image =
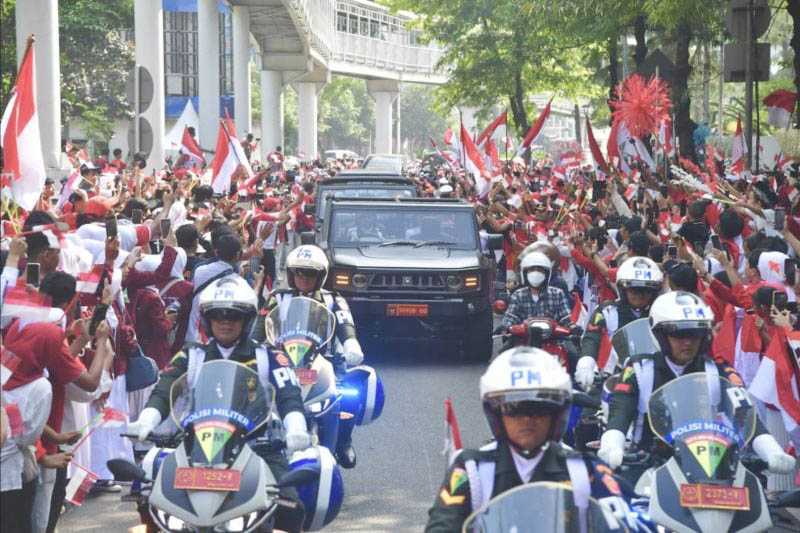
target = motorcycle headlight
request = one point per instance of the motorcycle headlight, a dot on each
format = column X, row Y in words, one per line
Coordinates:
column 167, row 522
column 244, row 523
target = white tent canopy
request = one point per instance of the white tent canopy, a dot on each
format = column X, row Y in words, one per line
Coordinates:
column 188, row 118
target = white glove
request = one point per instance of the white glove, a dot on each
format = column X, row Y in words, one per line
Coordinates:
column 353, row 355
column 769, row 451
column 585, row 371
column 612, row 447
column 148, row 420
column 297, row 437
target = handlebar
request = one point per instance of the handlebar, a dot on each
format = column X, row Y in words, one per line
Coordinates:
column 160, row 441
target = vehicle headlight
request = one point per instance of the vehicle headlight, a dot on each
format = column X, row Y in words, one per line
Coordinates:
column 167, row 522
column 454, row 282
column 472, row 281
column 244, row 523
column 360, row 281
column 341, row 279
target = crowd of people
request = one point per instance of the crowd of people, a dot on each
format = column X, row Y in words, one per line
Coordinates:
column 109, row 266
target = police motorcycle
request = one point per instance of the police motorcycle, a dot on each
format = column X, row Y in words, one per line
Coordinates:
column 212, row 481
column 557, row 509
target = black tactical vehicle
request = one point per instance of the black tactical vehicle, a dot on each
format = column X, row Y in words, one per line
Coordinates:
column 412, row 269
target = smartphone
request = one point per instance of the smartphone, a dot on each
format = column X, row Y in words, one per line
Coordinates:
column 97, row 316
column 155, row 247
column 780, row 300
column 672, row 251
column 137, row 216
column 32, row 274
column 111, row 227
column 716, row 243
column 165, row 227
column 780, row 218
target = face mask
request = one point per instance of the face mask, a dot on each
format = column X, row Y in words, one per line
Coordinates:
column 535, row 278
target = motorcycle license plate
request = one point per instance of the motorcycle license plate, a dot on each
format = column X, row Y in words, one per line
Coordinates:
column 207, row 479
column 715, row 497
column 407, row 310
column 306, row 376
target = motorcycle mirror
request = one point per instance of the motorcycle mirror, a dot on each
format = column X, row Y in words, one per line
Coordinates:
column 499, row 307
column 126, row 471
column 581, row 399
column 295, row 478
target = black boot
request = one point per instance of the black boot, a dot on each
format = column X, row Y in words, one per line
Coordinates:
column 346, row 455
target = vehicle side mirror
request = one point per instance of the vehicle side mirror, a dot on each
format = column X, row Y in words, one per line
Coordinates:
column 309, row 209
column 495, row 241
column 124, row 470
column 307, row 237
column 499, row 307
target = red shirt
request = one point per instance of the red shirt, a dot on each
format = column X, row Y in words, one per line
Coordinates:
column 43, row 346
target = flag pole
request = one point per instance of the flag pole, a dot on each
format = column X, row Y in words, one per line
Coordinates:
column 505, row 140
column 461, row 143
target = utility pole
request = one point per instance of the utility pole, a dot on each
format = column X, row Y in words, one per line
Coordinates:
column 748, row 87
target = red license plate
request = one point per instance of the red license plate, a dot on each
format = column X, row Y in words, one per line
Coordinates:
column 207, row 479
column 715, row 497
column 407, row 310
column 306, row 376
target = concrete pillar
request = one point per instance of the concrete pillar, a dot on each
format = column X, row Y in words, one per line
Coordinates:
column 149, row 35
column 241, row 70
column 307, row 100
column 40, row 17
column 208, row 75
column 271, row 111
column 384, row 93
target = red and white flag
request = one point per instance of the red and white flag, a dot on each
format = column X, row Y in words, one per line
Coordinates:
column 229, row 159
column 535, row 130
column 579, row 315
column 449, row 137
column 28, row 306
column 87, row 282
column 776, row 381
column 665, row 137
column 452, row 434
column 190, row 148
column 19, row 134
column 79, row 484
column 473, row 163
column 54, row 235
column 69, row 187
column 738, row 149
column 16, row 423
column 112, row 418
column 8, row 364
column 597, row 155
column 780, row 106
column 489, row 131
column 492, row 158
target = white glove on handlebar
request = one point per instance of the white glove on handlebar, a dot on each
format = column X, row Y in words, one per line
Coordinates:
column 297, row 437
column 769, row 451
column 148, row 420
column 612, row 447
column 585, row 372
column 353, row 355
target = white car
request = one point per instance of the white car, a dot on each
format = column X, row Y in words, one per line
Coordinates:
column 394, row 162
column 333, row 155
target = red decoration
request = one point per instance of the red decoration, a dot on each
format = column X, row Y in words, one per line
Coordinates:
column 642, row 105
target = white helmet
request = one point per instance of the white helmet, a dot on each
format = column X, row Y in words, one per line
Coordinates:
column 307, row 257
column 684, row 312
column 230, row 296
column 533, row 263
column 526, row 374
column 639, row 272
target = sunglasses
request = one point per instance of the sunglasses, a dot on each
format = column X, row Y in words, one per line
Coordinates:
column 225, row 314
column 305, row 272
column 687, row 334
column 528, row 408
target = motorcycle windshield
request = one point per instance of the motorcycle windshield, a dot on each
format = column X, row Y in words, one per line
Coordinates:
column 299, row 326
column 703, row 411
column 635, row 339
column 227, row 403
column 540, row 508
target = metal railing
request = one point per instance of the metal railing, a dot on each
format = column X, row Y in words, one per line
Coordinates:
column 381, row 54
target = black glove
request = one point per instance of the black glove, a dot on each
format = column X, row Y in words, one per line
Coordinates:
column 499, row 329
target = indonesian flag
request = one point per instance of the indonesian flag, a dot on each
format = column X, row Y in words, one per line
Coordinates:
column 597, row 155
column 625, row 147
column 489, row 131
column 69, row 187
column 87, row 282
column 54, row 235
column 19, row 134
column 492, row 157
column 474, row 163
column 739, row 149
column 665, row 136
column 508, row 143
column 8, row 363
column 776, row 381
column 16, row 423
column 452, row 435
column 190, row 148
column 29, row 306
column 579, row 315
column 534, row 130
column 448, row 137
column 630, row 192
column 80, row 484
column 780, row 105
column 112, row 418
column 228, row 160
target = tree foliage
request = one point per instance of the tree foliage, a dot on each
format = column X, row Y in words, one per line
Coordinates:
column 346, row 115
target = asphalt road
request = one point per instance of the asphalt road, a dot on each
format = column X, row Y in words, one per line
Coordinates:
column 400, row 461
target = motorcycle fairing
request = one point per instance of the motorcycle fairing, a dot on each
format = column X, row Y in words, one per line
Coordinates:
column 324, row 388
column 209, row 508
column 666, row 510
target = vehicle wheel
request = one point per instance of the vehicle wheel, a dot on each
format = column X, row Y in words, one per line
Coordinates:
column 477, row 345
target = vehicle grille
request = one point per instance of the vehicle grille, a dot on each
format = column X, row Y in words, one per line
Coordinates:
column 409, row 282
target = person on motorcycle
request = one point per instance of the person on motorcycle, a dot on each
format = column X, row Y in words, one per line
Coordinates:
column 306, row 272
column 527, row 396
column 536, row 297
column 228, row 308
column 639, row 281
column 682, row 324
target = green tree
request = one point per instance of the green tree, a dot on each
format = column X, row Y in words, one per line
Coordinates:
column 346, row 115
column 419, row 120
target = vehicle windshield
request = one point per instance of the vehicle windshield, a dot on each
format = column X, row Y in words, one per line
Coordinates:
column 299, row 326
column 540, row 508
column 227, row 400
column 378, row 192
column 384, row 163
column 698, row 407
column 635, row 339
column 403, row 225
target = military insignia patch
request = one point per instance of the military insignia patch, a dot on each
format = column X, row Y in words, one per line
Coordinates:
column 457, row 478
column 447, row 499
column 627, row 373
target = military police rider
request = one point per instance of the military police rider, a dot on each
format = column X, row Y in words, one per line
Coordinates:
column 306, row 272
column 526, row 396
column 228, row 308
column 682, row 324
column 639, row 280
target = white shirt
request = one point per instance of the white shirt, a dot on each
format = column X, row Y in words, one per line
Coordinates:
column 676, row 368
column 525, row 467
column 226, row 352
